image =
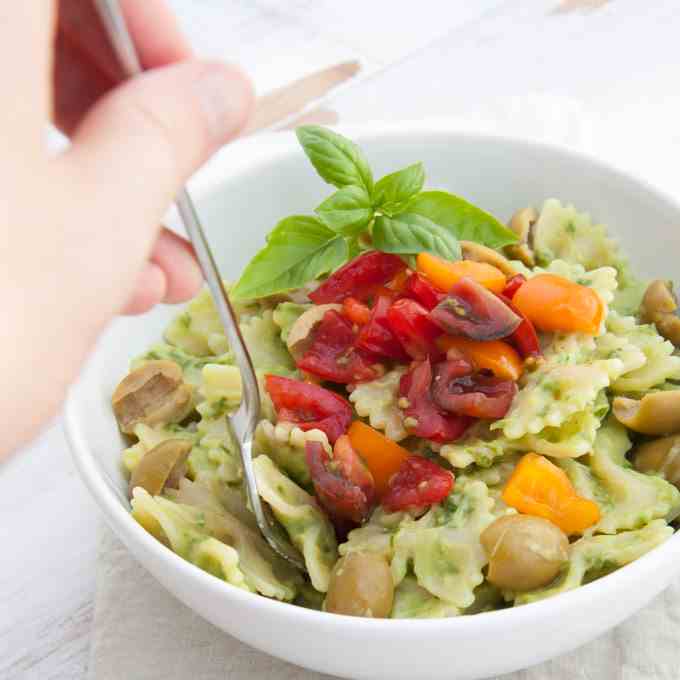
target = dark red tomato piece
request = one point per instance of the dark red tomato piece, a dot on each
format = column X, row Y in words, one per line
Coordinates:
column 333, row 355
column 475, row 312
column 418, row 288
column 377, row 338
column 418, row 484
column 417, row 333
column 476, row 395
column 359, row 278
column 524, row 338
column 352, row 466
column 429, row 420
column 309, row 406
column 341, row 497
column 513, row 284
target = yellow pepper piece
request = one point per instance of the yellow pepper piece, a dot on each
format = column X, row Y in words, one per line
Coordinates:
column 443, row 274
column 538, row 487
column 382, row 456
column 494, row 355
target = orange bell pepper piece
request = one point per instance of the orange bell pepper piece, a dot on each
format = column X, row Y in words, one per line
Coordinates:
column 553, row 303
column 495, row 355
column 538, row 487
column 382, row 456
column 444, row 274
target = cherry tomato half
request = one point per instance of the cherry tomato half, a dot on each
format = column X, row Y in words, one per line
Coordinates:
column 359, row 278
column 419, row 483
column 309, row 406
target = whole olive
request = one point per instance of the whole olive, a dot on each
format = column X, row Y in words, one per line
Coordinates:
column 524, row 552
column 361, row 585
column 660, row 455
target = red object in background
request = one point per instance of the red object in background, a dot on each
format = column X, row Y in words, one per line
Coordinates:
column 419, row 483
column 377, row 338
column 431, row 421
column 309, row 406
column 513, row 285
column 418, row 288
column 333, row 355
column 471, row 394
column 343, row 485
column 524, row 338
column 417, row 333
column 360, row 278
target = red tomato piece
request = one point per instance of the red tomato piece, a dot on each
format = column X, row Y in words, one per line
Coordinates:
column 476, row 395
column 418, row 288
column 359, row 278
column 431, row 422
column 309, row 406
column 419, row 483
column 417, row 333
column 513, row 285
column 333, row 355
column 377, row 338
column 524, row 338
column 357, row 312
column 343, row 485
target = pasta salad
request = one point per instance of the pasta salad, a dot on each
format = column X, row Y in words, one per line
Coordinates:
column 457, row 416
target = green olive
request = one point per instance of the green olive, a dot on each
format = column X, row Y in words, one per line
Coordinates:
column 361, row 585
column 656, row 413
column 660, row 455
column 658, row 306
column 479, row 253
column 524, row 552
column 153, row 394
column 162, row 466
column 522, row 224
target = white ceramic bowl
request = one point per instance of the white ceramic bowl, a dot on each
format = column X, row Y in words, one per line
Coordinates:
column 241, row 195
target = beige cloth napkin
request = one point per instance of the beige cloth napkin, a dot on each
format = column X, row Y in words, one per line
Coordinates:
column 142, row 632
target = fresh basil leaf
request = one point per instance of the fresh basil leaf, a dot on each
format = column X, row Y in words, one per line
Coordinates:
column 299, row 249
column 391, row 192
column 348, row 211
column 409, row 234
column 464, row 220
column 338, row 160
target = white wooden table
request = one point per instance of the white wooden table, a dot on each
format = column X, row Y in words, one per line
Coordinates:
column 624, row 55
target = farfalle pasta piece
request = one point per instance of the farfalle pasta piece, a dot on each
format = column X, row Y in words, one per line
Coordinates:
column 377, row 400
column 218, row 543
column 627, row 499
column 661, row 364
column 285, row 444
column 308, row 527
column 412, row 601
column 443, row 548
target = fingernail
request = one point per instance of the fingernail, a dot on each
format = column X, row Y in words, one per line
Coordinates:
column 226, row 96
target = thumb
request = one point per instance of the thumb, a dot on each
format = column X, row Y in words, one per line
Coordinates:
column 140, row 143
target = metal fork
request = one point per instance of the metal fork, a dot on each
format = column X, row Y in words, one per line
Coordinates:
column 244, row 421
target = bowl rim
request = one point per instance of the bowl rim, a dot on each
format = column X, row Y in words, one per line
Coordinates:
column 247, row 155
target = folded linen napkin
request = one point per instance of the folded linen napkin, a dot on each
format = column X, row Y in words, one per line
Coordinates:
column 141, row 631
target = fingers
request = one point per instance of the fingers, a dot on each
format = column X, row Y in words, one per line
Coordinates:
column 140, row 143
column 85, row 67
column 172, row 275
column 26, row 30
column 149, row 290
column 175, row 256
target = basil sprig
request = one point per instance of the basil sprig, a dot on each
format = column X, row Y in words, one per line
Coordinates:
column 395, row 212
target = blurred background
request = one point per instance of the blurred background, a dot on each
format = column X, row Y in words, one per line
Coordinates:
column 600, row 75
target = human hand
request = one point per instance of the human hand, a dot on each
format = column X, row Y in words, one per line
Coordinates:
column 82, row 240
